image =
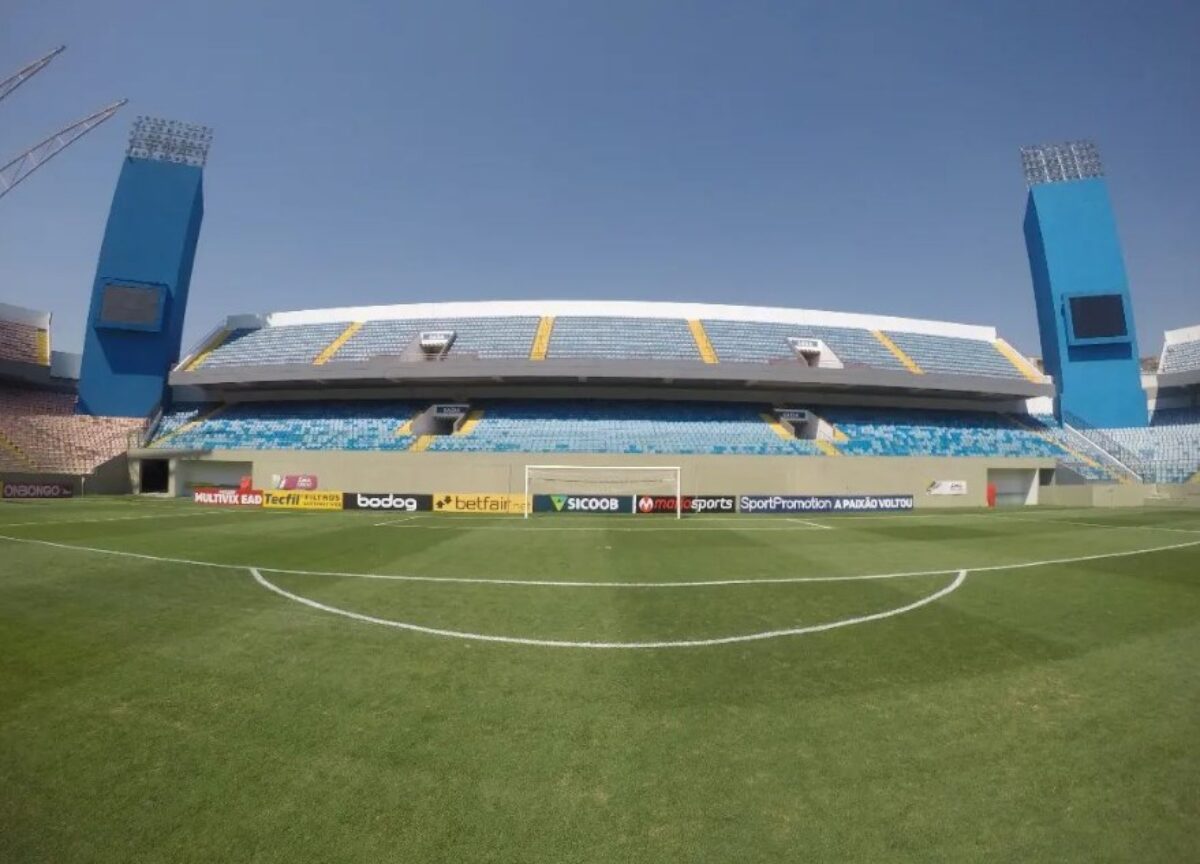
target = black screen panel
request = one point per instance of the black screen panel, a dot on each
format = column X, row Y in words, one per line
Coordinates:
column 130, row 305
column 1100, row 316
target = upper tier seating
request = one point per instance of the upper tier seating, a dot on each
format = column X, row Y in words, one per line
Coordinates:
column 955, row 356
column 274, row 345
column 754, row 342
column 19, row 342
column 364, row 425
column 39, row 431
column 485, row 338
column 580, row 337
column 1181, row 357
column 622, row 427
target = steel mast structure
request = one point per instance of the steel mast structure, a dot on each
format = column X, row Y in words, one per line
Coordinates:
column 38, row 155
column 11, row 83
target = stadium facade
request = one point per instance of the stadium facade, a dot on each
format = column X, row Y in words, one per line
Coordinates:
column 449, row 404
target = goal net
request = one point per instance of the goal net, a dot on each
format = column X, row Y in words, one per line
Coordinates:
column 602, row 489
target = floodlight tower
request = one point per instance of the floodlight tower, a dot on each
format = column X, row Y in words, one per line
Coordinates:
column 1084, row 308
column 139, row 295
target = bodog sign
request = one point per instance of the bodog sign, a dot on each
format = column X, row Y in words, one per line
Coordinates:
column 405, row 502
column 274, row 500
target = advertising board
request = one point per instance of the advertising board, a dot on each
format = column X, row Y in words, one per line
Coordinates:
column 483, row 503
column 403, row 502
column 20, row 491
column 213, row 496
column 824, row 503
column 947, row 487
column 301, row 482
column 583, row 503
column 275, row 500
column 650, row 504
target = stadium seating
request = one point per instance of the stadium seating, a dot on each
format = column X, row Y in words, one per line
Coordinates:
column 603, row 427
column 622, row 427
column 39, row 431
column 1181, row 357
column 609, row 338
column 485, row 338
column 288, row 426
column 20, row 343
column 885, row 432
column 273, row 345
column 955, row 356
column 753, row 342
column 1169, row 449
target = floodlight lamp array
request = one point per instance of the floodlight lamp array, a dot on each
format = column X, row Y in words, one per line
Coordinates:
column 1059, row 163
column 169, row 141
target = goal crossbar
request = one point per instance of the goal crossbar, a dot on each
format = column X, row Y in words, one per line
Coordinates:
column 672, row 473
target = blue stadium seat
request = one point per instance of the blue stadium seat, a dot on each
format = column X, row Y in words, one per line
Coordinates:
column 755, row 342
column 954, row 356
column 583, row 337
column 486, row 338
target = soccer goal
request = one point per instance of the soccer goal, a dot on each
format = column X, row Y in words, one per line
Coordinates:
column 595, row 484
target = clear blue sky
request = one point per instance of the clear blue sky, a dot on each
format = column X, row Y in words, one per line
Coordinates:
column 848, row 156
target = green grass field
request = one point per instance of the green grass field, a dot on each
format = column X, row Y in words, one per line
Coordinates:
column 154, row 708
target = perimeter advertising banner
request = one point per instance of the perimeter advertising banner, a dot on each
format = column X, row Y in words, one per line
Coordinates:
column 16, row 491
column 650, row 504
column 824, row 503
column 214, row 496
column 481, row 503
column 584, row 504
column 275, row 500
column 401, row 502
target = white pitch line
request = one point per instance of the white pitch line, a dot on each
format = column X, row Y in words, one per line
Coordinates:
column 535, row 583
column 558, row 643
column 396, row 521
column 109, row 519
column 810, row 522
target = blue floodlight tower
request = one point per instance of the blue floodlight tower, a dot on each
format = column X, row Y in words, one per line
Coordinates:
column 139, row 296
column 1084, row 309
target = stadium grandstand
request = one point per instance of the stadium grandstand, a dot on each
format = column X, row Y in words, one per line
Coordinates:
column 41, row 435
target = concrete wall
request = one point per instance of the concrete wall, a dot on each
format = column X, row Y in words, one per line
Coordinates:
column 505, row 472
column 1097, row 495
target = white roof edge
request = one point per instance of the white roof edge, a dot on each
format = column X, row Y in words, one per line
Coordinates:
column 1182, row 334
column 21, row 315
column 629, row 309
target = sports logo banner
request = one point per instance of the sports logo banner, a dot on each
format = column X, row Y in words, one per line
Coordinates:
column 301, row 482
column 403, row 502
column 217, row 497
column 274, row 500
column 649, row 504
column 484, row 503
column 947, row 487
column 583, row 503
column 824, row 503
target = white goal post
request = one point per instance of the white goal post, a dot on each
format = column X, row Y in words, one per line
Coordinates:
column 617, row 480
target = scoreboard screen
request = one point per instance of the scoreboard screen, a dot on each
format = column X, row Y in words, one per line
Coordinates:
column 1098, row 316
column 133, row 306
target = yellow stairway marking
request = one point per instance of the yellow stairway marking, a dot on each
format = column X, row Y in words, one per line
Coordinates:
column 333, row 347
column 217, row 340
column 1018, row 360
column 541, row 339
column 422, row 443
column 17, row 452
column 828, row 448
column 191, row 424
column 777, row 426
column 43, row 347
column 469, row 424
column 406, row 427
column 886, row 342
column 703, row 345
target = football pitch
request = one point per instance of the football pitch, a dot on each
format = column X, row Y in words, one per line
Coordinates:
column 186, row 684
